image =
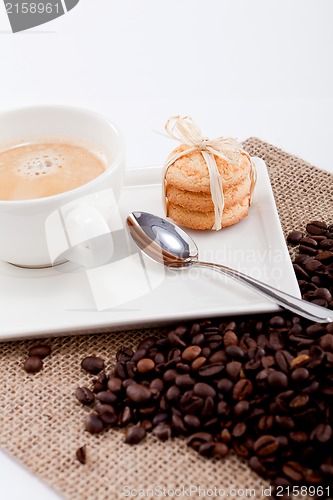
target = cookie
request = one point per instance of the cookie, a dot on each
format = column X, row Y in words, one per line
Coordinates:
column 190, row 172
column 202, row 202
column 199, row 220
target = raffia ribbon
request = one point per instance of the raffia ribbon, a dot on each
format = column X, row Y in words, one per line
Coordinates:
column 184, row 130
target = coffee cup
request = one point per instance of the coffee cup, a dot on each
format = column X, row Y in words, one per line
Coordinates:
column 77, row 223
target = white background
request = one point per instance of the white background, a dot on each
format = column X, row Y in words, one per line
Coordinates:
column 241, row 68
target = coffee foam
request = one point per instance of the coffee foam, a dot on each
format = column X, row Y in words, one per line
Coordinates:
column 37, row 170
column 40, row 165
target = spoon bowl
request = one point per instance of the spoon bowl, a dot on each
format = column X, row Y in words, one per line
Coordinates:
column 172, row 247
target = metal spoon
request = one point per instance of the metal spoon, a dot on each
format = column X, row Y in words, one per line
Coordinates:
column 169, row 245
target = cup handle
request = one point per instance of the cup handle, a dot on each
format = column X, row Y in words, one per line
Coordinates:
column 89, row 236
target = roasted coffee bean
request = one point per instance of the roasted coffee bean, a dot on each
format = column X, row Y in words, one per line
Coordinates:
column 239, row 430
column 198, row 363
column 283, row 360
column 163, row 432
column 309, row 242
column 92, row 364
column 204, row 390
column 40, row 350
column 208, row 407
column 294, row 237
column 326, row 342
column 230, row 338
column 220, row 450
column 293, row 471
column 184, row 380
column 299, row 361
column 124, row 354
column 192, row 421
column 135, row 434
column 93, row 423
column 211, row 370
column 265, row 446
column 235, row 352
column 285, row 422
column 316, row 227
column 266, row 422
column 33, row 364
column 218, row 357
column 172, row 393
column 225, row 385
column 81, row 454
column 277, row 380
column 277, row 322
column 299, row 375
column 198, row 438
column 241, row 409
column 243, row 389
column 146, row 344
column 107, row 414
column 138, row 393
column 115, row 384
column 107, row 397
column 257, row 466
column 233, row 369
column 323, row 433
column 145, row 365
column 84, row 395
column 191, row 353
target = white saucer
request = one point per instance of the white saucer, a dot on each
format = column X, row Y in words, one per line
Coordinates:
column 131, row 292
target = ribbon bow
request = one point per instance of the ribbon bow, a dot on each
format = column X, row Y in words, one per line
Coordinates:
column 184, row 130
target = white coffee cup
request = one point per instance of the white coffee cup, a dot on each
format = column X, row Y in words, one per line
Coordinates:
column 77, row 224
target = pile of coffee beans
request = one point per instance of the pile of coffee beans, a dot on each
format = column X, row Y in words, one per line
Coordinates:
column 34, row 362
column 262, row 387
column 314, row 263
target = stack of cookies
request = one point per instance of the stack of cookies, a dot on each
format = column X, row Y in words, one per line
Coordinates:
column 188, row 192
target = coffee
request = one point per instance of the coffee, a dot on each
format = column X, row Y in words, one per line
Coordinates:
column 36, row 170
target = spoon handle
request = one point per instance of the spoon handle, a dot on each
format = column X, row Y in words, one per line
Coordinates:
column 298, row 306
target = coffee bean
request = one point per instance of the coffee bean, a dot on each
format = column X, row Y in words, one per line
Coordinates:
column 115, row 385
column 84, row 395
column 220, row 450
column 322, row 432
column 192, row 421
column 285, row 422
column 191, row 353
column 138, row 393
column 33, row 364
column 184, row 380
column 163, row 432
column 265, row 446
column 124, row 354
column 198, row 363
column 283, row 359
column 294, row 237
column 277, row 380
column 92, row 364
column 107, row 397
column 243, row 389
column 309, row 242
column 241, row 409
column 257, row 466
column 146, row 344
column 211, row 370
column 233, row 369
column 198, row 438
column 277, row 322
column 41, row 350
column 316, row 227
column 230, row 338
column 225, row 385
column 145, row 365
column 293, row 471
column 93, row 423
column 326, row 342
column 178, row 424
column 300, row 360
column 299, row 375
column 81, row 454
column 234, row 352
column 107, row 414
column 204, row 390
column 135, row 434
column 239, row 430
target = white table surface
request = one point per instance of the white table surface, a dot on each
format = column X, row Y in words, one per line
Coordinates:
column 260, row 68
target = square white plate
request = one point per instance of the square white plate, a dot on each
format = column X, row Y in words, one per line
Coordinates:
column 130, row 291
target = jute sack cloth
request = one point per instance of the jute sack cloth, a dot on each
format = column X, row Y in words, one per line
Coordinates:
column 41, row 423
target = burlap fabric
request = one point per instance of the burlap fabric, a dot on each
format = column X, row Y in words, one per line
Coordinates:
column 42, row 423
